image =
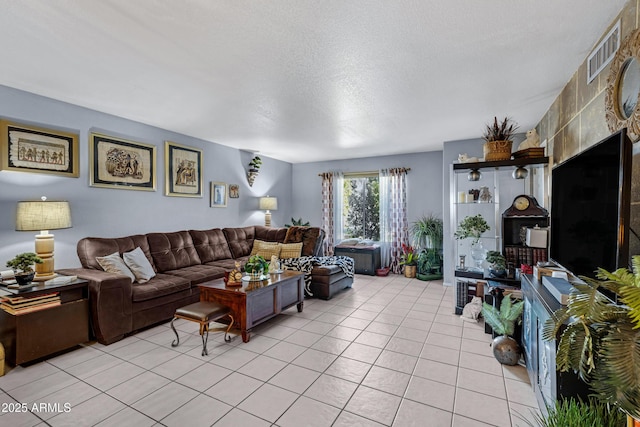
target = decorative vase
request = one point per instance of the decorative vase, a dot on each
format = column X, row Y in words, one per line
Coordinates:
column 498, row 273
column 506, row 350
column 24, row 279
column 410, row 271
column 477, row 253
column 497, row 150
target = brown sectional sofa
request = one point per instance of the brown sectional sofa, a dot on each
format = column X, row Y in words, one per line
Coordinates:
column 181, row 261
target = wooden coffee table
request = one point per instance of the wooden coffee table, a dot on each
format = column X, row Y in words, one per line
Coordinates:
column 256, row 302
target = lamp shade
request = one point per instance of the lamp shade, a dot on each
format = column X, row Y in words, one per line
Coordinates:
column 269, row 203
column 42, row 215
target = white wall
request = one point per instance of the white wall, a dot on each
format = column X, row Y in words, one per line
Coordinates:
column 424, row 183
column 106, row 212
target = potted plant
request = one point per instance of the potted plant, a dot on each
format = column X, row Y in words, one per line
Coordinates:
column 426, row 234
column 506, row 350
column 497, row 264
column 254, row 169
column 600, row 340
column 498, row 141
column 576, row 412
column 22, row 266
column 409, row 260
column 256, row 266
column 297, row 222
column 473, row 227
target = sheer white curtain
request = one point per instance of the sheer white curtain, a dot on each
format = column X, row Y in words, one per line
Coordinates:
column 394, row 227
column 332, row 192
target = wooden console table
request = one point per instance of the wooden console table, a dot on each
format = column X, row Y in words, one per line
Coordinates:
column 256, row 302
column 37, row 334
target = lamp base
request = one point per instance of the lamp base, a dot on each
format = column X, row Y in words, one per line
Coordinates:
column 267, row 219
column 44, row 250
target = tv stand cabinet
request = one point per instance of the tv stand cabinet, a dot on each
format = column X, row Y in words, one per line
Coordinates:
column 548, row 384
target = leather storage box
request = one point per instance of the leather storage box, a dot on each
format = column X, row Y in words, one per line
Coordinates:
column 366, row 258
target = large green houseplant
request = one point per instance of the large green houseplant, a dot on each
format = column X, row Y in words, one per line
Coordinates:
column 427, row 235
column 601, row 340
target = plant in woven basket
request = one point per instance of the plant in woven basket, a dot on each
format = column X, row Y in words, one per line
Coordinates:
column 502, row 131
column 601, row 340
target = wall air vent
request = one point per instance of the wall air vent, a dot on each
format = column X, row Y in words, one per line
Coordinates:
column 603, row 53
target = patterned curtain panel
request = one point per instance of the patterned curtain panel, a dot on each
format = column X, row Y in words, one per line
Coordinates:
column 394, row 227
column 327, row 212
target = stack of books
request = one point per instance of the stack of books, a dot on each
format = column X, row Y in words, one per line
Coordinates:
column 22, row 305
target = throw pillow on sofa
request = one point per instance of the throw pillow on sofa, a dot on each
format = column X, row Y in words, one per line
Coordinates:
column 265, row 249
column 114, row 264
column 290, row 250
column 139, row 265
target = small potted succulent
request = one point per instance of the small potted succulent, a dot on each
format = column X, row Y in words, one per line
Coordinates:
column 497, row 264
column 255, row 267
column 22, row 266
column 498, row 141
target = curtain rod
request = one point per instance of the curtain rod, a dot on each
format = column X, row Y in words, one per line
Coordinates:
column 366, row 172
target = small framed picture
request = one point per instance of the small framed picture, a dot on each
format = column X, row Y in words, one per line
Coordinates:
column 34, row 149
column 234, row 191
column 183, row 170
column 122, row 164
column 218, row 195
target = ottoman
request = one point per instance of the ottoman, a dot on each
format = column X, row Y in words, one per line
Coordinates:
column 202, row 312
column 326, row 280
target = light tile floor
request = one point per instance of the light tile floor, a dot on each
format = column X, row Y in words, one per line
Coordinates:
column 389, row 352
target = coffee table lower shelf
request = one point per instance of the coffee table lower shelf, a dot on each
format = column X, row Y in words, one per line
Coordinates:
column 256, row 302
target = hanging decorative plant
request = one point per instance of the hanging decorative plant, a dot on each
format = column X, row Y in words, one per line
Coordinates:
column 254, row 169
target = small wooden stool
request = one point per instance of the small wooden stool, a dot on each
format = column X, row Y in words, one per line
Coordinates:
column 202, row 312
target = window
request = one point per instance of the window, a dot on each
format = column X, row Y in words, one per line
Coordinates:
column 361, row 207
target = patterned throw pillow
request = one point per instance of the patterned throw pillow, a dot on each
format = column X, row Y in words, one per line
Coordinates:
column 290, row 250
column 265, row 249
column 114, row 264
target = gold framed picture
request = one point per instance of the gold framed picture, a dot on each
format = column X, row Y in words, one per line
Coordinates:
column 26, row 148
column 234, row 191
column 120, row 163
column 183, row 170
column 218, row 195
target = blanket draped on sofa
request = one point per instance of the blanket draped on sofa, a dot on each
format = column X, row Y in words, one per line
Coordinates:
column 306, row 263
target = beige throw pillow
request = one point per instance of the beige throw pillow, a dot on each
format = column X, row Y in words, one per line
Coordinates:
column 290, row 250
column 114, row 264
column 139, row 265
column 262, row 246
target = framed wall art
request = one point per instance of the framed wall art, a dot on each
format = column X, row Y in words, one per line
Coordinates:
column 183, row 170
column 218, row 195
column 119, row 163
column 234, row 191
column 26, row 148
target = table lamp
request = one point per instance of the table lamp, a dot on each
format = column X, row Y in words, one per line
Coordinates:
column 43, row 216
column 268, row 204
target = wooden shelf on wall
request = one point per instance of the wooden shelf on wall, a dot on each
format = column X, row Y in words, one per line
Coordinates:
column 499, row 163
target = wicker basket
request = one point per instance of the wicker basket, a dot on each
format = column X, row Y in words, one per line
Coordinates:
column 497, row 150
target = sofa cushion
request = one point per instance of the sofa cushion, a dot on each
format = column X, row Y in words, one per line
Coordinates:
column 171, row 251
column 211, row 245
column 161, row 285
column 270, row 234
column 112, row 263
column 307, row 235
column 90, row 248
column 240, row 240
column 290, row 250
column 198, row 273
column 139, row 265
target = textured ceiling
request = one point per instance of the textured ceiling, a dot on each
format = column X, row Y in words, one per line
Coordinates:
column 303, row 80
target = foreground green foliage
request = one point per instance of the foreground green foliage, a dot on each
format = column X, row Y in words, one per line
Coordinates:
column 601, row 341
column 576, row 413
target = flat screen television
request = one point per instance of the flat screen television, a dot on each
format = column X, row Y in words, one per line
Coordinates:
column 590, row 207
